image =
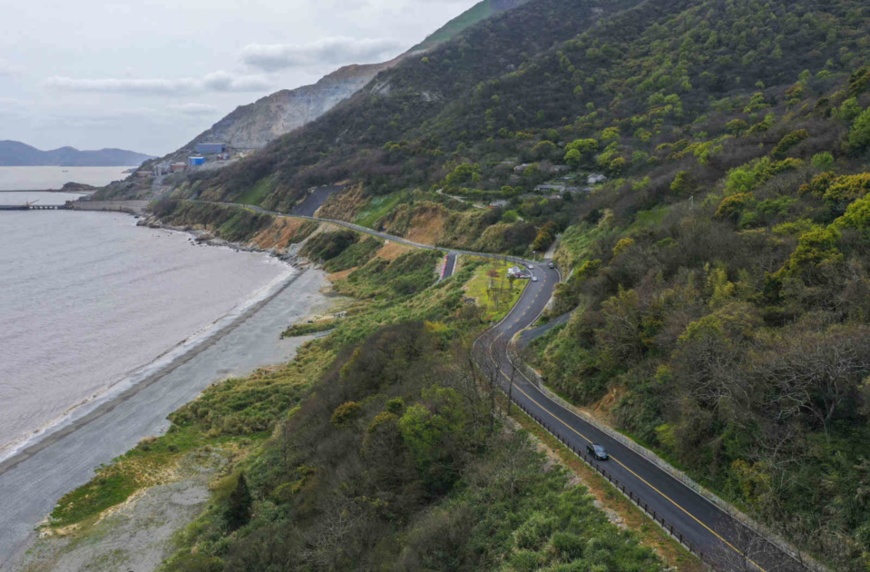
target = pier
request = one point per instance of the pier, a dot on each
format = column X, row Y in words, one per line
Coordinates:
column 32, row 207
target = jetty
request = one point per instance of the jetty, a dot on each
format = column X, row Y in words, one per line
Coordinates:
column 32, row 207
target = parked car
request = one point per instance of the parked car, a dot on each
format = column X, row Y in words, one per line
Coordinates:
column 534, row 278
column 529, row 266
column 597, row 451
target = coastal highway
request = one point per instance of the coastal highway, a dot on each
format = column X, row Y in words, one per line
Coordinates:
column 722, row 541
column 712, row 533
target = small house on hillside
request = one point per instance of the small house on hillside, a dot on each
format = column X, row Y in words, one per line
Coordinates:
column 175, row 167
column 517, row 272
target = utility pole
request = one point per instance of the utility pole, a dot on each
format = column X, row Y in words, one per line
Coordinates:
column 511, row 388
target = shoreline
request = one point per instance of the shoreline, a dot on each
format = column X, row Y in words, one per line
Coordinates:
column 104, row 410
column 105, row 407
column 190, row 343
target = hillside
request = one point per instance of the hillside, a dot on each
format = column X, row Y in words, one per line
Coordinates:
column 254, row 125
column 17, row 154
column 349, row 141
column 480, row 11
column 718, row 280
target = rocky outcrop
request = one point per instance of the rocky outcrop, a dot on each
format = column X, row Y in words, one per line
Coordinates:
column 254, row 125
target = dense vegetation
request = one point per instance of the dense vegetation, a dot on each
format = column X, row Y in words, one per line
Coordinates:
column 719, row 279
column 379, row 447
column 396, row 462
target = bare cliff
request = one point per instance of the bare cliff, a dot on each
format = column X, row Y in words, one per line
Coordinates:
column 254, row 125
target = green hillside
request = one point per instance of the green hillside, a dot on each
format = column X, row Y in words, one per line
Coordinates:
column 718, row 279
column 480, row 11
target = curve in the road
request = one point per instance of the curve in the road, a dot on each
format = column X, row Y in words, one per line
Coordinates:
column 717, row 537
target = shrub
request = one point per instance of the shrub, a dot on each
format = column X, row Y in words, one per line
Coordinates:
column 859, row 135
column 344, row 413
column 823, row 161
column 789, row 141
column 683, row 184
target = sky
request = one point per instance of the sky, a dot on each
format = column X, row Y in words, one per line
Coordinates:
column 149, row 75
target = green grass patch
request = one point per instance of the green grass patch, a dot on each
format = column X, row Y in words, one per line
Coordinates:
column 377, row 208
column 468, row 18
column 256, row 194
column 308, row 329
column 140, row 467
column 649, row 219
column 495, row 294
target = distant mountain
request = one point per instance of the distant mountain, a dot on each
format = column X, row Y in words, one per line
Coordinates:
column 254, row 125
column 17, row 154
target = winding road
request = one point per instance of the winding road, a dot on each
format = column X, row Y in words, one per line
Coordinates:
column 706, row 529
column 702, row 526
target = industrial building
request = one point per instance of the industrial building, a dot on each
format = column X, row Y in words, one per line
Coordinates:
column 211, row 148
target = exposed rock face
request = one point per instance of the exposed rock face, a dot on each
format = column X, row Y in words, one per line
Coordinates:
column 254, row 125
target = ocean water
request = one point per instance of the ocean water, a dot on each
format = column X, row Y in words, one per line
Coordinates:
column 50, row 178
column 89, row 303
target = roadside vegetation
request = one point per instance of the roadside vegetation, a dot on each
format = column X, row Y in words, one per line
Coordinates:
column 718, row 277
column 379, row 447
column 493, row 291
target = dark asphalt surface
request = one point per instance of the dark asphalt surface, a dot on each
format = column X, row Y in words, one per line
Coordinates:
column 710, row 532
column 449, row 266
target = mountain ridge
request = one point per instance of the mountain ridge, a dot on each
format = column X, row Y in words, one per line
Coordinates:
column 18, row 154
column 254, row 125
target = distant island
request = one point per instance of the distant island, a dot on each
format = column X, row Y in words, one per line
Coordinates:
column 17, row 154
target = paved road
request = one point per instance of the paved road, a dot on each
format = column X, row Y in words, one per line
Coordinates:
column 711, row 532
column 449, row 266
column 708, row 530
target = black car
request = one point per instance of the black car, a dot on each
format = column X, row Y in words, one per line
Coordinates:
column 597, row 451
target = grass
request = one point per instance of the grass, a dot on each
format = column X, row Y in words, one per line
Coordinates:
column 256, row 194
column 147, row 464
column 377, row 208
column 493, row 291
column 468, row 18
column 235, row 414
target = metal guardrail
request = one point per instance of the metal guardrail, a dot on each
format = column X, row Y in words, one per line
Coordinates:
column 626, row 492
column 757, row 528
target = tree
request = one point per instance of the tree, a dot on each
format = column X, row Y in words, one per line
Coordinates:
column 683, row 184
column 823, row 161
column 544, row 149
column 859, row 136
column 238, row 511
column 573, row 158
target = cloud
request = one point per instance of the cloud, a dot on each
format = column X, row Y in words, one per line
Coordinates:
column 339, row 50
column 195, row 108
column 217, row 81
column 8, row 69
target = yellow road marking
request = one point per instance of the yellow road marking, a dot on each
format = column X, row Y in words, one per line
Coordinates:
column 647, row 483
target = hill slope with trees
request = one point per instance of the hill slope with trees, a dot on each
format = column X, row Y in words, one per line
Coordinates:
column 718, row 280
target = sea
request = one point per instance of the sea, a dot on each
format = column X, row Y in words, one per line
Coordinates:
column 53, row 178
column 90, row 303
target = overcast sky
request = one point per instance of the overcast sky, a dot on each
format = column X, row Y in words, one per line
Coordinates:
column 149, row 75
